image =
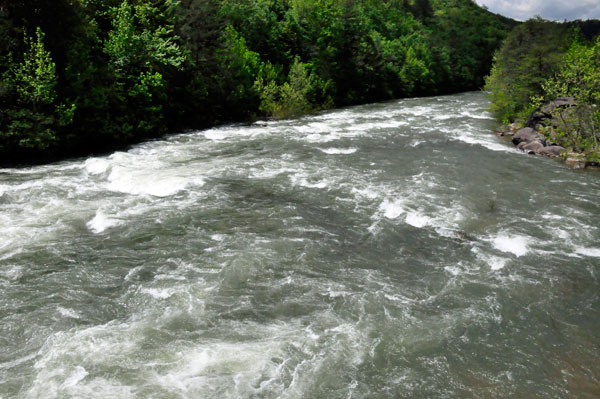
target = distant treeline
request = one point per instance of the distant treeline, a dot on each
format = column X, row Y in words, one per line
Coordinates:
column 541, row 61
column 80, row 76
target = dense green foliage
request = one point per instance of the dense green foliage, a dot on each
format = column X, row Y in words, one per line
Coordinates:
column 578, row 77
column 530, row 54
column 541, row 61
column 88, row 75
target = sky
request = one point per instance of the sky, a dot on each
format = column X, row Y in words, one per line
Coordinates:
column 558, row 10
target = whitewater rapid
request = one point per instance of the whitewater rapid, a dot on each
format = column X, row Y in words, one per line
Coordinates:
column 392, row 250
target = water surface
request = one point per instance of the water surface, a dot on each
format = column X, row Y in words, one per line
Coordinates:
column 394, row 250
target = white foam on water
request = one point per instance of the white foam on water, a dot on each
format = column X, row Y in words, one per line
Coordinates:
column 367, row 193
column 338, row 151
column 443, row 117
column 423, row 179
column 68, row 312
column 158, row 293
column 65, row 361
column 88, row 388
column 486, row 142
column 453, row 270
column 417, row 111
column 216, row 135
column 220, row 367
column 467, row 134
column 79, row 374
column 17, row 362
column 302, row 180
column 321, row 138
column 551, row 216
column 392, row 209
column 229, row 132
column 497, row 263
column 96, row 166
column 12, row 272
column 268, row 173
column 592, row 252
column 360, row 129
column 494, row 262
column 218, row 237
column 483, row 115
column 515, row 244
column 101, row 222
column 346, row 116
column 315, row 128
column 416, row 219
column 139, row 183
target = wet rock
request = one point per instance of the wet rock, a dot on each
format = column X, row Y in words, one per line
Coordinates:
column 552, row 151
column 514, row 127
column 521, row 145
column 501, row 131
column 533, row 148
column 463, row 237
column 507, row 130
column 527, row 135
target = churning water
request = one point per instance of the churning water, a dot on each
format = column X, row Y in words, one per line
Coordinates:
column 395, row 250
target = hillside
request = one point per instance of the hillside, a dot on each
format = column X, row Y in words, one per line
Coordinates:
column 83, row 76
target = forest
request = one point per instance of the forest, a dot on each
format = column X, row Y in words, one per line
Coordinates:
column 542, row 61
column 87, row 76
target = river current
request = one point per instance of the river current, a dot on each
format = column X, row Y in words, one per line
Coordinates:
column 392, row 250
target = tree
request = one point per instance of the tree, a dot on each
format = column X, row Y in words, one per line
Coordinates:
column 579, row 77
column 239, row 68
column 141, row 46
column 531, row 53
column 33, row 120
column 292, row 98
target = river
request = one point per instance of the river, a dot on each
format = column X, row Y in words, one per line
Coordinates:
column 391, row 250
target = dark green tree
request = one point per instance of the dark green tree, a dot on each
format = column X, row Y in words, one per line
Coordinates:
column 31, row 122
column 531, row 54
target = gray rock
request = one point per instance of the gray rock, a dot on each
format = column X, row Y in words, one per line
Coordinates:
column 527, row 135
column 521, row 145
column 533, row 148
column 544, row 112
column 551, row 151
column 561, row 102
column 507, row 130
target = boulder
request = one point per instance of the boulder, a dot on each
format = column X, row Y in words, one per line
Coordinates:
column 501, row 131
column 535, row 119
column 561, row 102
column 521, row 145
column 551, row 151
column 544, row 112
column 507, row 130
column 533, row 148
column 513, row 127
column 527, row 135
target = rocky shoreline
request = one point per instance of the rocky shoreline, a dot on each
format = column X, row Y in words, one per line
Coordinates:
column 530, row 140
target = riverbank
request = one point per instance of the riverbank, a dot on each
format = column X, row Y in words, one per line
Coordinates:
column 542, row 133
